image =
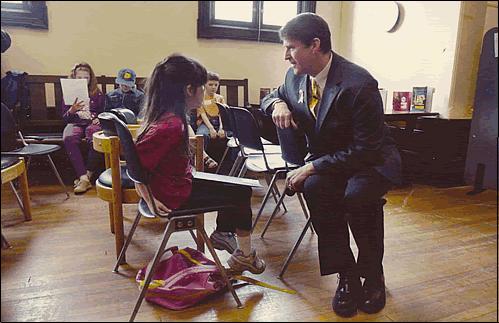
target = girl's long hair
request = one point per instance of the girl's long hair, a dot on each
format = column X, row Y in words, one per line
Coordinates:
column 93, row 89
column 165, row 90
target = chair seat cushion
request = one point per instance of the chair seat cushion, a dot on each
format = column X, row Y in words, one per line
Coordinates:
column 32, row 150
column 106, row 179
column 9, row 161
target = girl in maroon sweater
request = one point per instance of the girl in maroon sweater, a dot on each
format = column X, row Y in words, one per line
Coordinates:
column 175, row 86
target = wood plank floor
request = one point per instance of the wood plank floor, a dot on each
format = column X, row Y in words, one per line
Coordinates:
column 440, row 262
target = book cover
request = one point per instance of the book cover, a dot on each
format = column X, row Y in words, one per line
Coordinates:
column 401, row 101
column 422, row 98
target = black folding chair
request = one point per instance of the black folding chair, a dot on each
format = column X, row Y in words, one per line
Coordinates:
column 270, row 164
column 178, row 220
column 31, row 150
column 293, row 152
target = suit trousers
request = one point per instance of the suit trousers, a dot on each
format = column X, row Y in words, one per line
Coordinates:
column 337, row 202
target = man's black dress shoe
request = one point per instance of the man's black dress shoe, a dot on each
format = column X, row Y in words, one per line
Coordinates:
column 374, row 296
column 347, row 295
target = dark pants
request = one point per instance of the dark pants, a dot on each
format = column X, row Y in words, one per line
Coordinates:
column 336, row 202
column 207, row 193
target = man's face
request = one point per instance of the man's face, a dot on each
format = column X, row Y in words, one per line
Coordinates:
column 125, row 88
column 211, row 87
column 299, row 56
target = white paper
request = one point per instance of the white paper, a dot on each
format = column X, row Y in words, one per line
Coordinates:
column 74, row 88
column 495, row 45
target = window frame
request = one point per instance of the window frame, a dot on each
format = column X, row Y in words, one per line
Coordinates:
column 29, row 14
column 211, row 28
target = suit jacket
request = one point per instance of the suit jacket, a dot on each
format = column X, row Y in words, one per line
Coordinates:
column 350, row 134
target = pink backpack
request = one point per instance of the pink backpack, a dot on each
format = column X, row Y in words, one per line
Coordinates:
column 182, row 278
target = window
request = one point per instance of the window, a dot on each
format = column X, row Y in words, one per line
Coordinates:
column 31, row 14
column 248, row 20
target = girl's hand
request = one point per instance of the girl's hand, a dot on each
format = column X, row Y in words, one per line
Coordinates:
column 142, row 191
column 221, row 133
column 76, row 106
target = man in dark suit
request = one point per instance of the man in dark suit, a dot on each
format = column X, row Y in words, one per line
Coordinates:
column 352, row 161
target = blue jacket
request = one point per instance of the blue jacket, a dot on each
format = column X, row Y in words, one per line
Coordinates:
column 131, row 100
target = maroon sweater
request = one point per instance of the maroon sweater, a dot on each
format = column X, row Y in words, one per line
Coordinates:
column 161, row 153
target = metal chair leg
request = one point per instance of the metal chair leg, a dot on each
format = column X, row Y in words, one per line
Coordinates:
column 121, row 258
column 222, row 160
column 220, row 267
column 237, row 163
column 58, row 176
column 170, row 228
column 18, row 198
column 265, row 198
column 281, row 198
column 5, row 243
column 193, row 236
column 295, row 247
column 305, row 209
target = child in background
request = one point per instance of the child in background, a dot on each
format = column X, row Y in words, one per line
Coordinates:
column 82, row 122
column 175, row 86
column 126, row 95
column 209, row 121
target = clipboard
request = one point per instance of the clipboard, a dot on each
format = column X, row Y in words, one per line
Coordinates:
column 226, row 179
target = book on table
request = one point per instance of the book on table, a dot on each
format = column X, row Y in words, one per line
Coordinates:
column 422, row 97
column 401, row 101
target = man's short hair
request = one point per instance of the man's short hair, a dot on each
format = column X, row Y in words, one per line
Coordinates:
column 212, row 76
column 305, row 27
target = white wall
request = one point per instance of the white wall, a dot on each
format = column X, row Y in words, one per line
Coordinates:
column 420, row 53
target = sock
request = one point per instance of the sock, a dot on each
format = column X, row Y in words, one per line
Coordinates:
column 244, row 244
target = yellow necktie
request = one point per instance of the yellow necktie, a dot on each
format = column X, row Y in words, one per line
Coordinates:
column 315, row 97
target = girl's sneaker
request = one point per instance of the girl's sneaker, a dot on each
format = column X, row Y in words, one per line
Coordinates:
column 238, row 262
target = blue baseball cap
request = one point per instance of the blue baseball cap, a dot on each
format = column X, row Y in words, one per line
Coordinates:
column 126, row 76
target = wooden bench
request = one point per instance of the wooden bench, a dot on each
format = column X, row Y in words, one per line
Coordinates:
column 44, row 117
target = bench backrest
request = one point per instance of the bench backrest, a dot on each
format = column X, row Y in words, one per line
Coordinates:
column 46, row 99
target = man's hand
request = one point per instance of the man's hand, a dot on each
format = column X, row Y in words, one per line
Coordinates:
column 96, row 121
column 296, row 178
column 281, row 115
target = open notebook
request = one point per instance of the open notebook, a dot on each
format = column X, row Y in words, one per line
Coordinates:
column 226, row 179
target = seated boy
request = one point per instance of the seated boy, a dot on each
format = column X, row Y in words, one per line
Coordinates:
column 209, row 121
column 126, row 95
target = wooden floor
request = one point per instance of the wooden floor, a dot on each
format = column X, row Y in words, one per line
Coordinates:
column 440, row 262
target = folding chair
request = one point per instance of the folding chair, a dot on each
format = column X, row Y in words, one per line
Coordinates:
column 31, row 150
column 178, row 220
column 12, row 168
column 269, row 164
column 292, row 152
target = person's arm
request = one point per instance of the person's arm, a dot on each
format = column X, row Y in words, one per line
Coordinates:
column 206, row 120
column 69, row 111
column 276, row 105
column 159, row 141
column 97, row 107
column 368, row 134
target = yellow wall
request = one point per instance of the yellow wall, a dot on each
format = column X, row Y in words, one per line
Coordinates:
column 138, row 34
